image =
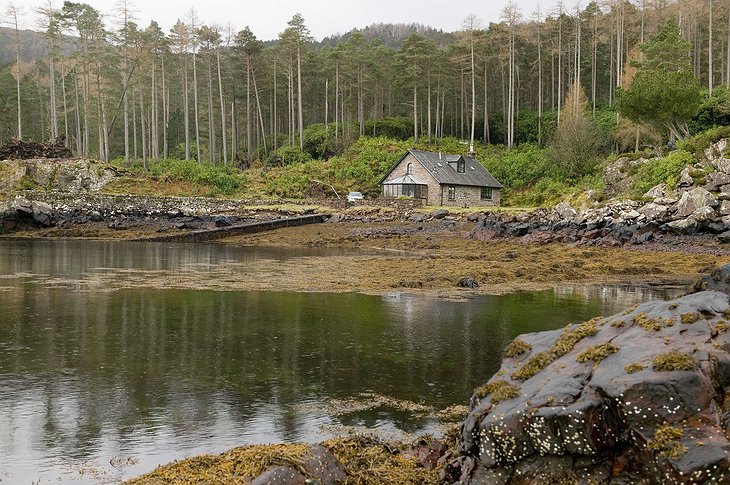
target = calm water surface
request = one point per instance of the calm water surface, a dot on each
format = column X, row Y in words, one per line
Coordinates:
column 98, row 384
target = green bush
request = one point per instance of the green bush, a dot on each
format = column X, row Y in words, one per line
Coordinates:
column 290, row 155
column 664, row 170
column 222, row 180
column 521, row 167
column 699, row 143
column 400, row 128
column 714, row 111
column 319, row 141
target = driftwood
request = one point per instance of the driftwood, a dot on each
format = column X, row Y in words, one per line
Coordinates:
column 23, row 150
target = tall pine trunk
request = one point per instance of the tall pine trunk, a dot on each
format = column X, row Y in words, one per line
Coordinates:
column 223, row 108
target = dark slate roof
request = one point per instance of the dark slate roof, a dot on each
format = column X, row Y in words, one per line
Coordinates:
column 445, row 173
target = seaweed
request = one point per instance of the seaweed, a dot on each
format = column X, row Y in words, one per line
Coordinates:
column 597, row 353
column 688, row 318
column 517, row 347
column 674, row 361
column 666, row 442
column 633, row 368
column 499, row 390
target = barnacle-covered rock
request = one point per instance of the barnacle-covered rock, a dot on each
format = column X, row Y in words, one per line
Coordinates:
column 613, row 400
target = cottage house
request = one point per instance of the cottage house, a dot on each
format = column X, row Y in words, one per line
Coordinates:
column 442, row 179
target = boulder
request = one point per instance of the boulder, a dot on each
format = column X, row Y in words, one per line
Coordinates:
column 685, row 179
column 324, row 467
column 694, row 199
column 717, row 150
column 617, row 178
column 724, row 209
column 721, row 164
column 654, row 211
column 656, row 192
column 717, row 280
column 439, row 213
column 704, row 214
column 280, row 475
column 631, row 398
column 564, row 212
column 468, row 283
column 689, row 225
column 42, row 213
column 715, row 180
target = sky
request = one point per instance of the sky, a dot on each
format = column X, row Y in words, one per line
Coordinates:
column 267, row 18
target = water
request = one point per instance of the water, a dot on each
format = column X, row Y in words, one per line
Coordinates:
column 101, row 382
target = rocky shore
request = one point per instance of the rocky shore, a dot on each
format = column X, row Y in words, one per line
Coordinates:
column 695, row 210
column 638, row 397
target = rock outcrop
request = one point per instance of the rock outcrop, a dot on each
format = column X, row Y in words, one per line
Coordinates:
column 72, row 175
column 638, row 397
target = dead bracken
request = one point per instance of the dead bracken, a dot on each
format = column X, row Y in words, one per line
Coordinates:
column 633, row 368
column 517, row 347
column 688, row 318
column 499, row 390
column 666, row 442
column 674, row 361
column 597, row 353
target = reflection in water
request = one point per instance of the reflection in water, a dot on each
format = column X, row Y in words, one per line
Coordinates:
column 102, row 385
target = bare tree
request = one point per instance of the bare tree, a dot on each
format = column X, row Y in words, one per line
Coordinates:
column 13, row 12
column 471, row 23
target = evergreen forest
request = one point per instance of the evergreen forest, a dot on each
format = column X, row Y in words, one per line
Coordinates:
column 543, row 97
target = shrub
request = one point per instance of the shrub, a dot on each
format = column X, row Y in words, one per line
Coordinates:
column 664, row 170
column 223, row 180
column 290, row 155
column 520, row 167
column 319, row 141
column 698, row 143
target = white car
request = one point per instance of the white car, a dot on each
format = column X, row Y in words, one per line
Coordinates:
column 353, row 196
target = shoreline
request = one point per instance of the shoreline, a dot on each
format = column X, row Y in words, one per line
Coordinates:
column 430, row 259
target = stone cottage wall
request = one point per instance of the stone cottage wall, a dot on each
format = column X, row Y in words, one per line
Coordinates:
column 420, row 173
column 470, row 197
column 465, row 195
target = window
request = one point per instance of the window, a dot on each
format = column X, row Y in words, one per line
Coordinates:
column 452, row 192
column 409, row 169
column 486, row 192
column 461, row 166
